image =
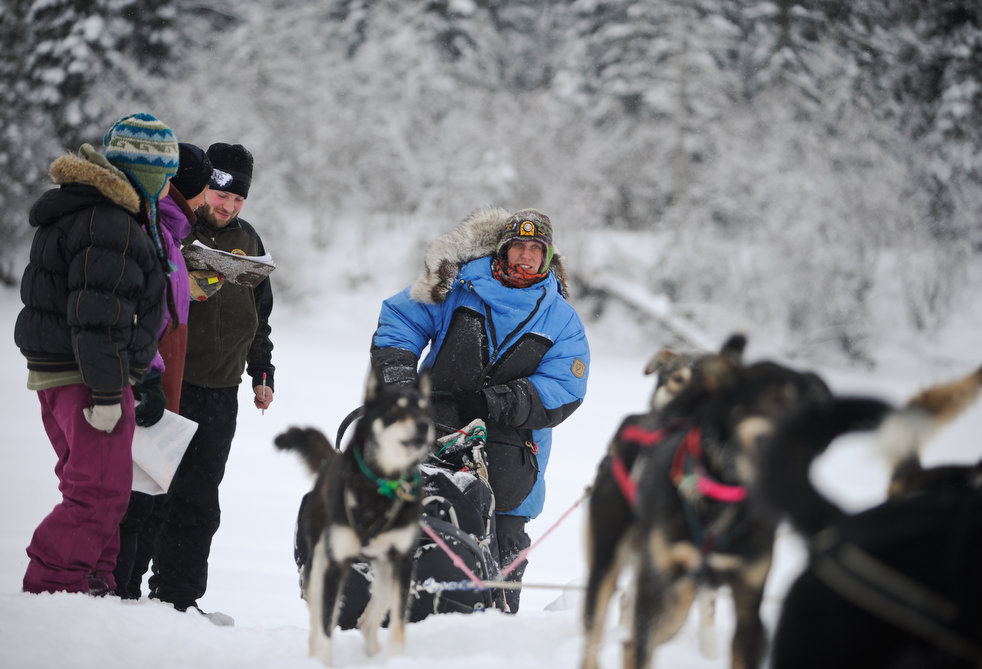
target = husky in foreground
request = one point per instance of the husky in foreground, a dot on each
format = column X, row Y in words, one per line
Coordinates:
column 364, row 507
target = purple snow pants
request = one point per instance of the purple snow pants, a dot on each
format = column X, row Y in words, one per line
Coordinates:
column 80, row 537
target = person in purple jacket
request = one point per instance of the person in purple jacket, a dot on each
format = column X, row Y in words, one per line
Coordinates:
column 161, row 387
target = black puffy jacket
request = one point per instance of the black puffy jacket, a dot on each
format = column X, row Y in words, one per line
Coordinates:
column 93, row 289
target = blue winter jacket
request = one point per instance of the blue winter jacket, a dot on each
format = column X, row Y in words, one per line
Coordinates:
column 523, row 349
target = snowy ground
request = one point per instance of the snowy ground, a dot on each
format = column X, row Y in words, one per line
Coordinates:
column 321, row 359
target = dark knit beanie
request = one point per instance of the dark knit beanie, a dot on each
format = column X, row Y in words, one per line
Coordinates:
column 528, row 225
column 233, row 168
column 194, row 172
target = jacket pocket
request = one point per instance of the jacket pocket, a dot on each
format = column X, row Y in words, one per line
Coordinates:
column 513, row 468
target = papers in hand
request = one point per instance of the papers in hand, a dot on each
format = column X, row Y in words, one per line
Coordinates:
column 157, row 451
column 245, row 270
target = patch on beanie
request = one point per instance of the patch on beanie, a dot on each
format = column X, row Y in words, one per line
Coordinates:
column 528, row 225
column 220, row 179
column 235, row 162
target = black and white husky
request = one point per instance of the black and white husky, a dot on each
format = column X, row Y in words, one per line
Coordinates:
column 364, row 507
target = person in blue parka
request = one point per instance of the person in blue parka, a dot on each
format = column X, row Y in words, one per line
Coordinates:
column 505, row 346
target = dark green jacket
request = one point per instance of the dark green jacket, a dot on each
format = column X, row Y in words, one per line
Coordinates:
column 229, row 331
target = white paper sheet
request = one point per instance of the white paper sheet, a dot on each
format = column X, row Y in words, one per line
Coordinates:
column 157, row 452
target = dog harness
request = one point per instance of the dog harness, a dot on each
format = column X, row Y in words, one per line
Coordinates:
column 888, row 594
column 400, row 491
column 390, row 488
column 691, row 480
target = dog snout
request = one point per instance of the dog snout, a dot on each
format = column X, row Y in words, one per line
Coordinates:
column 419, row 431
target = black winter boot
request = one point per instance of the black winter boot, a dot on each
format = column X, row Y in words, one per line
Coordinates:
column 512, row 540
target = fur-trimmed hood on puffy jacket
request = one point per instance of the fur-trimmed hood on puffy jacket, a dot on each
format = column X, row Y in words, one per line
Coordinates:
column 475, row 237
column 93, row 288
column 91, row 168
column 517, row 357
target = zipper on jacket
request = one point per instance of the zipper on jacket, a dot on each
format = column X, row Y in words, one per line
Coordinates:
column 486, row 372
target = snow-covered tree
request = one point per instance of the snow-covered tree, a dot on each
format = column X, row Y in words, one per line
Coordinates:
column 66, row 66
column 837, row 145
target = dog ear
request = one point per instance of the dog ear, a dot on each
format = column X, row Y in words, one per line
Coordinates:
column 660, row 360
column 717, row 371
column 733, row 347
column 423, row 383
column 373, row 384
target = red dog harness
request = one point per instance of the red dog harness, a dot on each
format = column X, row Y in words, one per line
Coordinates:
column 696, row 480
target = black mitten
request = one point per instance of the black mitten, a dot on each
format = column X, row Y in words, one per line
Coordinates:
column 152, row 400
column 470, row 405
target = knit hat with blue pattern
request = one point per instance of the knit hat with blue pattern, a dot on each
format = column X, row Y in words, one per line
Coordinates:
column 145, row 150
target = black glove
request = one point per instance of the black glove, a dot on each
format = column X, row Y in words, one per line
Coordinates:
column 152, row 400
column 470, row 405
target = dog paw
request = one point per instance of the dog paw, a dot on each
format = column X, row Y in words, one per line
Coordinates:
column 322, row 649
column 372, row 647
column 707, row 644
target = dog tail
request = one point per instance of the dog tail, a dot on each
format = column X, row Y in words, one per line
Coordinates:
column 903, row 435
column 310, row 443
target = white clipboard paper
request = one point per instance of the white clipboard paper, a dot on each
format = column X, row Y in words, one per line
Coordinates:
column 157, row 452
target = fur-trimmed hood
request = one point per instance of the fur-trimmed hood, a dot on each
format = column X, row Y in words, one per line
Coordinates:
column 475, row 237
column 92, row 169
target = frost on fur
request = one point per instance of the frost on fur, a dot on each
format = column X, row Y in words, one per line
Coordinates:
column 475, row 237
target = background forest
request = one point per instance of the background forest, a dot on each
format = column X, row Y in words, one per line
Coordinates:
column 813, row 168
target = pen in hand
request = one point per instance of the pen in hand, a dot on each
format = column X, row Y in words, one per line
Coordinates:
column 264, row 392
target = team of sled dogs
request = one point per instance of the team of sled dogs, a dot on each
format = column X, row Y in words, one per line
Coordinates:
column 688, row 499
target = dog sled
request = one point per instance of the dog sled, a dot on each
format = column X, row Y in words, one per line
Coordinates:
column 458, row 508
